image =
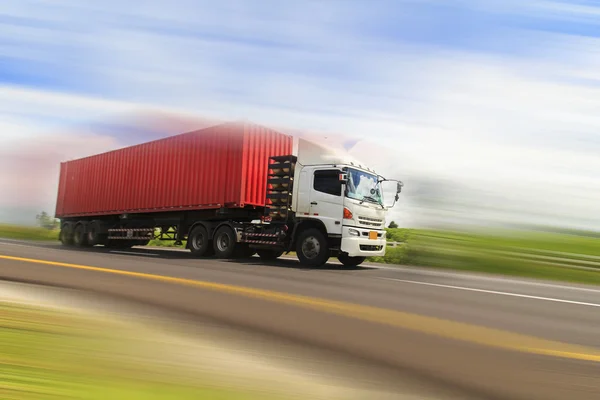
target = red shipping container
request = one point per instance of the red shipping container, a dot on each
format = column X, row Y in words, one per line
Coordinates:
column 221, row 166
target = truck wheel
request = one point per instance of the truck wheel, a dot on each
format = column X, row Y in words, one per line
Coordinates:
column 198, row 241
column 66, row 234
column 80, row 237
column 312, row 248
column 269, row 255
column 93, row 235
column 224, row 242
column 348, row 261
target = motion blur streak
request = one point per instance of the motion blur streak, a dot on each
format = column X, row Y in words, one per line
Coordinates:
column 133, row 352
column 428, row 325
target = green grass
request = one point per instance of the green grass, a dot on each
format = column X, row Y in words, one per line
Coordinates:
column 554, row 256
column 166, row 243
column 27, row 233
column 55, row 355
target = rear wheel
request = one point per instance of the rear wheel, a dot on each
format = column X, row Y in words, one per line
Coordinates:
column 79, row 236
column 93, row 234
column 348, row 261
column 312, row 248
column 224, row 242
column 198, row 242
column 66, row 234
column 269, row 255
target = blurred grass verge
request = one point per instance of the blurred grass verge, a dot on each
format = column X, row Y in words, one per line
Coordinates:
column 532, row 254
column 51, row 354
column 27, row 232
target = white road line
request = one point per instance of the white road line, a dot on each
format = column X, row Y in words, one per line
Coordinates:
column 526, row 296
column 133, row 253
column 490, row 278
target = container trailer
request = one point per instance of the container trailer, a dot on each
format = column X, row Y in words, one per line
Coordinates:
column 231, row 190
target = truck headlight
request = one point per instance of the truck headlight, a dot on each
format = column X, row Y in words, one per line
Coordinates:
column 353, row 232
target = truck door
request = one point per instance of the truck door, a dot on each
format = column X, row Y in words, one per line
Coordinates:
column 326, row 199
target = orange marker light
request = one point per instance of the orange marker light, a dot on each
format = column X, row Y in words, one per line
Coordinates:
column 347, row 213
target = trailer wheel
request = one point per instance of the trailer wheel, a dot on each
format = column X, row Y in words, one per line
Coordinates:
column 66, row 234
column 224, row 242
column 80, row 237
column 312, row 248
column 198, row 241
column 350, row 262
column 269, row 255
column 93, row 235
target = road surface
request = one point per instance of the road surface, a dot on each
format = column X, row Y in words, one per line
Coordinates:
column 489, row 337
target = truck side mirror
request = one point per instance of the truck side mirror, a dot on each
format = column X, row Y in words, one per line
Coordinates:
column 343, row 178
column 399, row 187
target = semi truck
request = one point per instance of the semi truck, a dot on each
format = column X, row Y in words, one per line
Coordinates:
column 232, row 190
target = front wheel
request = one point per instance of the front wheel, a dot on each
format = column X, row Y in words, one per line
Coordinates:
column 348, row 261
column 224, row 242
column 312, row 248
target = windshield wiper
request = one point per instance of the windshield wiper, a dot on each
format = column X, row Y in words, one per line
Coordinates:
column 371, row 199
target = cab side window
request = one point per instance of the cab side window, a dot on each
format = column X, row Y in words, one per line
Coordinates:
column 328, row 181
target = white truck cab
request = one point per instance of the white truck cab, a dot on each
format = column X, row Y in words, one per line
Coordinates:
column 345, row 197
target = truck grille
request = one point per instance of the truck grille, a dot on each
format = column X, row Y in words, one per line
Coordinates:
column 370, row 221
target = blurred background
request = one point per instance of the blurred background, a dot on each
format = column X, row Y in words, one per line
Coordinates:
column 486, row 110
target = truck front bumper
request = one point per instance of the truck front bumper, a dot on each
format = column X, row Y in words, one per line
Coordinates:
column 360, row 245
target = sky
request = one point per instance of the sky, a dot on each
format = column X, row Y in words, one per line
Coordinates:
column 486, row 110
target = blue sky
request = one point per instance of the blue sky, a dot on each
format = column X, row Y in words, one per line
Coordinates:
column 460, row 91
column 68, row 46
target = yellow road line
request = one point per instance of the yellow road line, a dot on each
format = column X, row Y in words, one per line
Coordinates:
column 428, row 325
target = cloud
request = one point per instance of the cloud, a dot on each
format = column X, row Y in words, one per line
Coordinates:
column 505, row 108
column 30, row 170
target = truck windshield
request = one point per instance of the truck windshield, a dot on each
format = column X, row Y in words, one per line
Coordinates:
column 363, row 186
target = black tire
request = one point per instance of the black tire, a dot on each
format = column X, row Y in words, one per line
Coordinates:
column 312, row 248
column 350, row 262
column 224, row 242
column 66, row 234
column 269, row 255
column 80, row 235
column 198, row 242
column 93, row 234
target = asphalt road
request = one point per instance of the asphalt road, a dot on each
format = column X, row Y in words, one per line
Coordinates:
column 483, row 336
